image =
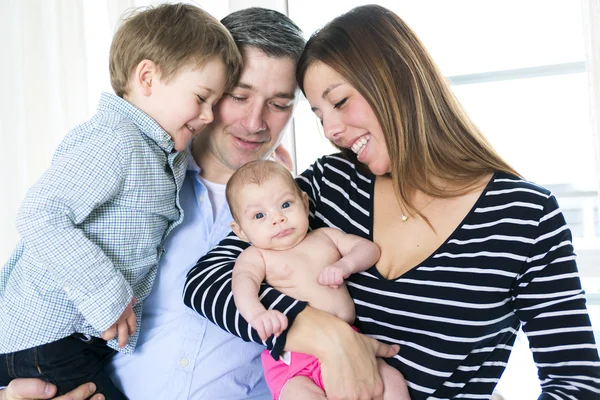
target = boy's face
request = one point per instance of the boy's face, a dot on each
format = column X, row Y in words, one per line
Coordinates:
column 182, row 105
column 271, row 216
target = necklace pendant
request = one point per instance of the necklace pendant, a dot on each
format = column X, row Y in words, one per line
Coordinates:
column 404, row 218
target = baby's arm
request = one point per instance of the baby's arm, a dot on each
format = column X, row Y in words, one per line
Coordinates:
column 358, row 254
column 248, row 274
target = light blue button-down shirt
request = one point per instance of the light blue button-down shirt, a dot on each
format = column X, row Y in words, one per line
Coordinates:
column 180, row 355
column 92, row 229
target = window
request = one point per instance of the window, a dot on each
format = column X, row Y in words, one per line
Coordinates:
column 521, row 76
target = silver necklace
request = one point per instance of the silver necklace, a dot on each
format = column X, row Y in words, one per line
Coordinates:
column 405, row 217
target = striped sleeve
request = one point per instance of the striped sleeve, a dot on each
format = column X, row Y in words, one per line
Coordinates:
column 208, row 292
column 310, row 182
column 208, row 285
column 550, row 302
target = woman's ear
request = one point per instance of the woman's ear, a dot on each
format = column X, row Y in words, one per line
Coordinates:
column 237, row 229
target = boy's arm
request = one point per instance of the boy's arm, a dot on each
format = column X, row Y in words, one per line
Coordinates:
column 248, row 274
column 78, row 182
column 358, row 254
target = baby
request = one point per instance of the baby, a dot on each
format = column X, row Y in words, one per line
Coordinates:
column 271, row 212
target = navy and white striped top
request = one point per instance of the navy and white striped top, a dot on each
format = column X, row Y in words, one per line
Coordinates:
column 509, row 264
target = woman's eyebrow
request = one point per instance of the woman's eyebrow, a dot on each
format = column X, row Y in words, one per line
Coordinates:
column 329, row 89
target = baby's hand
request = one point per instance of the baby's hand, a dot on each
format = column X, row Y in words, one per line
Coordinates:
column 124, row 327
column 333, row 275
column 269, row 322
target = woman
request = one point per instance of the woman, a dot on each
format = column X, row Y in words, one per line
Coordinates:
column 471, row 252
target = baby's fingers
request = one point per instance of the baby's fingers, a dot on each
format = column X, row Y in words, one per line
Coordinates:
column 323, row 278
column 263, row 331
column 283, row 323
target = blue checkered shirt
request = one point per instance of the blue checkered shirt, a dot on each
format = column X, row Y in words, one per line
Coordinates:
column 92, row 230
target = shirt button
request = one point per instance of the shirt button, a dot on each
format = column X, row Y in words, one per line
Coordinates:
column 201, row 198
column 184, row 362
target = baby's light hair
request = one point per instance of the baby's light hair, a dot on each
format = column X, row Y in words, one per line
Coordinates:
column 256, row 172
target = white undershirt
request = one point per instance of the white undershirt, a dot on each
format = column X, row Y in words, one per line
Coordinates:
column 216, row 194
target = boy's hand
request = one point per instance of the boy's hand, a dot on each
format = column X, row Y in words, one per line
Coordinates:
column 124, row 327
column 333, row 275
column 269, row 322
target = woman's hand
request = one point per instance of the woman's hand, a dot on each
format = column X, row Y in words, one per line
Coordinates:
column 348, row 358
column 33, row 389
column 349, row 370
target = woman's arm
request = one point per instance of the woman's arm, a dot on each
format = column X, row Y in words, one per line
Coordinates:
column 550, row 302
column 348, row 364
column 208, row 292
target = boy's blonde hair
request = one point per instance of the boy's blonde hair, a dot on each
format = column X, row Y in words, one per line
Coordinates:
column 173, row 36
column 256, row 172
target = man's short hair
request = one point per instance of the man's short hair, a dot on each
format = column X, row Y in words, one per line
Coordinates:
column 256, row 173
column 267, row 30
column 173, row 36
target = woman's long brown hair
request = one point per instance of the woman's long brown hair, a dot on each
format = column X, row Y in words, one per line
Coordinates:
column 427, row 132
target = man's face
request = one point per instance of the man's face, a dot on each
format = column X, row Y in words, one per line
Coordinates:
column 249, row 120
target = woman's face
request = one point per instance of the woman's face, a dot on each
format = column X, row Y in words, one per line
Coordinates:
column 348, row 120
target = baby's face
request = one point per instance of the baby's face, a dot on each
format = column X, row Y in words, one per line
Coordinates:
column 271, row 216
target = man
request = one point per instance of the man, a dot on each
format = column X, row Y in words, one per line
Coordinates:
column 179, row 354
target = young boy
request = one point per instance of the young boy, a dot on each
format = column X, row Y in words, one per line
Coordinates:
column 271, row 212
column 93, row 225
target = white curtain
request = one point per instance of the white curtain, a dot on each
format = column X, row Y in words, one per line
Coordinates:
column 591, row 26
column 53, row 52
column 43, row 72
column 54, row 67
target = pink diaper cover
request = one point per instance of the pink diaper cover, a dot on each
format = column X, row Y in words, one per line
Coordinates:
column 278, row 372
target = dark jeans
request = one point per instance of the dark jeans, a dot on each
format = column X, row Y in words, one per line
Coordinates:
column 67, row 363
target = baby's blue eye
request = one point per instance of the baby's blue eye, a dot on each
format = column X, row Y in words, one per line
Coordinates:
column 287, row 204
column 259, row 215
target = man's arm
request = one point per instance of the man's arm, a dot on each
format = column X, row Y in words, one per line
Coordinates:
column 34, row 389
column 248, row 274
column 358, row 254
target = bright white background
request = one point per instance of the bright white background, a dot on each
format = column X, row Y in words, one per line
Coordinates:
column 55, row 65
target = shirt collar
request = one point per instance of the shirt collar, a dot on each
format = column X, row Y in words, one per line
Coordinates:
column 148, row 126
column 192, row 165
